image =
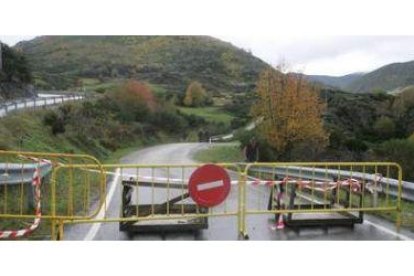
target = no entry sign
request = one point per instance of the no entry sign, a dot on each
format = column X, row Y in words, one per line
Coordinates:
column 209, row 185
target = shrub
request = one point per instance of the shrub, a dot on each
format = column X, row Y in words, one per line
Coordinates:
column 134, row 101
column 56, row 122
column 400, row 151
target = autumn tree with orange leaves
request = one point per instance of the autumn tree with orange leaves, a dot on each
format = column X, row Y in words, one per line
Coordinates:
column 135, row 101
column 290, row 112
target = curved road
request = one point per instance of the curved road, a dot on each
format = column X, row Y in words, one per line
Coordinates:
column 220, row 228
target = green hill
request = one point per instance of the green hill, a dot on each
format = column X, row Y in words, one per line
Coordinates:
column 386, row 78
column 341, row 82
column 168, row 62
column 392, row 78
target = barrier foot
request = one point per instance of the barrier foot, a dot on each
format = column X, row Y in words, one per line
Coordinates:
column 59, row 236
column 243, row 236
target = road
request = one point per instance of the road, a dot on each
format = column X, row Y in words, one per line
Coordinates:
column 260, row 227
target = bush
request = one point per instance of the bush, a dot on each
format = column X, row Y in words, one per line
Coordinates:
column 400, row 151
column 134, row 101
column 169, row 121
column 55, row 121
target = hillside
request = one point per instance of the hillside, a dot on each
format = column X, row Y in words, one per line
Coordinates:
column 386, row 78
column 341, row 82
column 392, row 78
column 389, row 77
column 168, row 62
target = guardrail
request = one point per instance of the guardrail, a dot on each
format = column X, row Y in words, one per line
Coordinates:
column 321, row 174
column 38, row 102
column 14, row 174
column 230, row 136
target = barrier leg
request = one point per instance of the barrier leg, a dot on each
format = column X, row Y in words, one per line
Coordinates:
column 242, row 208
column 53, row 230
column 398, row 221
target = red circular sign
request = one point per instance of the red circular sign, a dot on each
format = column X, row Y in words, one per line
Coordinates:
column 209, row 185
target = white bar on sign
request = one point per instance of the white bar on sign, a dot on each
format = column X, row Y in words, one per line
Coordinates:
column 210, row 185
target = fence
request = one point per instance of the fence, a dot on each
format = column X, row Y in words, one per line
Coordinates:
column 346, row 190
column 76, row 194
column 75, row 190
column 157, row 196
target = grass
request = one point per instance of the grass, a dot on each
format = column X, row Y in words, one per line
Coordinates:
column 94, row 84
column 25, row 131
column 211, row 113
column 225, row 153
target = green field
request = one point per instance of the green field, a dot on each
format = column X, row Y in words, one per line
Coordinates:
column 211, row 114
column 220, row 153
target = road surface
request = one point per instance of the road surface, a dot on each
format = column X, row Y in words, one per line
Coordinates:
column 259, row 227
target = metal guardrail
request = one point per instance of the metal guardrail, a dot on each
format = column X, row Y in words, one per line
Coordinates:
column 38, row 102
column 226, row 137
column 321, row 174
column 14, row 174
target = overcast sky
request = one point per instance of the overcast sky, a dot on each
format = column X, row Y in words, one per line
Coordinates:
column 318, row 55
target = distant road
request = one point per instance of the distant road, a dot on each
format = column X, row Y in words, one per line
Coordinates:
column 42, row 100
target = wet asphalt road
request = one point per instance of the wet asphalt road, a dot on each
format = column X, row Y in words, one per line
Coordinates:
column 259, row 227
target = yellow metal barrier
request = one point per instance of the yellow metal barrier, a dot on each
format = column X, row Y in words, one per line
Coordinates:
column 76, row 194
column 154, row 196
column 78, row 189
column 312, row 193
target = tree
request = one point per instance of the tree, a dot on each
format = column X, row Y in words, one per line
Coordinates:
column 134, row 101
column 14, row 66
column 290, row 112
column 195, row 95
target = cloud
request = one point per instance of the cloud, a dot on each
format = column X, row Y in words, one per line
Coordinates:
column 330, row 55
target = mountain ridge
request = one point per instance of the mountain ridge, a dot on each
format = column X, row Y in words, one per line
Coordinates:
column 388, row 78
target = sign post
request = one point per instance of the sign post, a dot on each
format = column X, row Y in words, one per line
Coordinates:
column 209, row 185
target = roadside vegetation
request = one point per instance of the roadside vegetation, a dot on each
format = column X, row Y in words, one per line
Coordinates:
column 129, row 115
column 355, row 127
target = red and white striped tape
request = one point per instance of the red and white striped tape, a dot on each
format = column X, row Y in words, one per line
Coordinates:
column 354, row 184
column 36, row 182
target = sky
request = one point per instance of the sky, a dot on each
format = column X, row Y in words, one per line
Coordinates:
column 317, row 55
